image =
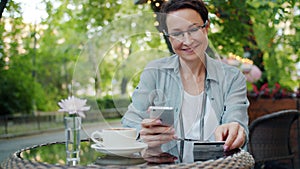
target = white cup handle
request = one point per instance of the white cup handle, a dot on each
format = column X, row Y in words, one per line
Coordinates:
column 94, row 137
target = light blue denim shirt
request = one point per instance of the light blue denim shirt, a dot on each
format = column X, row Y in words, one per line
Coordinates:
column 160, row 84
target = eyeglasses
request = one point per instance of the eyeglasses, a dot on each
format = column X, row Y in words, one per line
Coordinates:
column 180, row 34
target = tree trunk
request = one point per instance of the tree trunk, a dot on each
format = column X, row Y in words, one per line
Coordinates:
column 124, row 85
column 2, row 7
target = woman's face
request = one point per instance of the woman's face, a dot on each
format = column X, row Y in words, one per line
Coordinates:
column 187, row 38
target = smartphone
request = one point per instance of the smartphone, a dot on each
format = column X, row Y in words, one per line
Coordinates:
column 165, row 114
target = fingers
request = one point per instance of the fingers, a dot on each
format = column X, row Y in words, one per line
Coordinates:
column 157, row 130
column 232, row 133
column 156, row 140
column 220, row 132
column 157, row 136
column 239, row 140
column 154, row 127
column 232, row 130
column 146, row 123
column 154, row 134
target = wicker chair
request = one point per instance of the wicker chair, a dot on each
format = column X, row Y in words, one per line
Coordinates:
column 269, row 139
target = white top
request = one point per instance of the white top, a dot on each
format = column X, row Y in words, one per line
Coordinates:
column 191, row 110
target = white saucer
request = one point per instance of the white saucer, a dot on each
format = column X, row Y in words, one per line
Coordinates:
column 136, row 147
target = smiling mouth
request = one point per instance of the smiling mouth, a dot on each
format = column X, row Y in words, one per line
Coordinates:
column 189, row 49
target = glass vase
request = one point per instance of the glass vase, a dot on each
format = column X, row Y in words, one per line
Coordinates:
column 72, row 134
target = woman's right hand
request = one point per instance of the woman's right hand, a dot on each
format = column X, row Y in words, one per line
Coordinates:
column 155, row 134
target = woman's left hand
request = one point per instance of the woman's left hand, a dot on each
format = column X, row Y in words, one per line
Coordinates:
column 232, row 133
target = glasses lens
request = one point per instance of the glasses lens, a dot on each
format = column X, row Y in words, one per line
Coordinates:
column 192, row 33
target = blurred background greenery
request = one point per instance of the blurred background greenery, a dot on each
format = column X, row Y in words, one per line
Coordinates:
column 97, row 48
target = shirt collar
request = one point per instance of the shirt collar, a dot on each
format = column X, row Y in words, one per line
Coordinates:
column 213, row 68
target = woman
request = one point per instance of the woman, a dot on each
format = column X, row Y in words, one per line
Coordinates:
column 209, row 97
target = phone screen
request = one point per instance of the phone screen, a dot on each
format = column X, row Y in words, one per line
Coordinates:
column 165, row 114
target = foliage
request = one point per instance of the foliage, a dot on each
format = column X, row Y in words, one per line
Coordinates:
column 265, row 31
column 231, row 28
column 119, row 51
column 109, row 102
column 98, row 48
column 274, row 36
column 53, row 154
column 19, row 99
column 15, row 94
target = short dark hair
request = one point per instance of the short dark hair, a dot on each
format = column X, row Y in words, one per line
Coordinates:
column 174, row 5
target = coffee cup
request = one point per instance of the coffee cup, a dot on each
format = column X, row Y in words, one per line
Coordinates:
column 115, row 137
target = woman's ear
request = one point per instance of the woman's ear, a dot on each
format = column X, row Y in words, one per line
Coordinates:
column 207, row 25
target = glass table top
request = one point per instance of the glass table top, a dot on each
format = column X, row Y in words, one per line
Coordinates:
column 54, row 154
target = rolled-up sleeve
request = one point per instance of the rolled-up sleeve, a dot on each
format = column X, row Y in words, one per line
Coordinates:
column 236, row 102
column 142, row 98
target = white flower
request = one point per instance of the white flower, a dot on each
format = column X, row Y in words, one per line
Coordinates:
column 73, row 105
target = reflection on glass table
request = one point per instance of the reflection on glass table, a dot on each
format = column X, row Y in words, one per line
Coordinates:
column 52, row 155
column 55, row 154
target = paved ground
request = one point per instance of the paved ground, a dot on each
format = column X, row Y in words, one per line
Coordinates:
column 9, row 146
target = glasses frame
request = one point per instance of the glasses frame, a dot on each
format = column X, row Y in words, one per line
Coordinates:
column 181, row 33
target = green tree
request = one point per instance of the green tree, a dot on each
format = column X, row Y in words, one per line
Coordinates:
column 17, row 84
column 265, row 31
column 111, row 49
column 276, row 32
column 2, row 6
column 104, row 45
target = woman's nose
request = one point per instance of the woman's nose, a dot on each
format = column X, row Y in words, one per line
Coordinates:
column 187, row 38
